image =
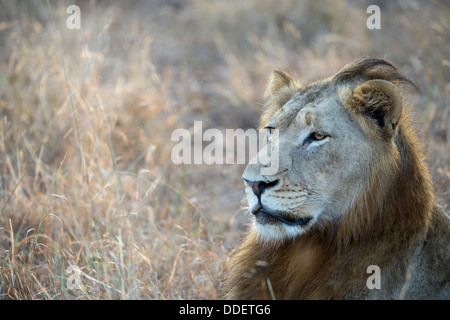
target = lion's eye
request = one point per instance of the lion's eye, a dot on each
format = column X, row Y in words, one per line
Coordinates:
column 270, row 130
column 317, row 136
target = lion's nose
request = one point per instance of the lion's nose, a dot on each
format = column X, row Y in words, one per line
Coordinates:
column 259, row 187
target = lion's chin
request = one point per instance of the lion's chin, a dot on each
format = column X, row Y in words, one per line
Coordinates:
column 271, row 227
column 264, row 216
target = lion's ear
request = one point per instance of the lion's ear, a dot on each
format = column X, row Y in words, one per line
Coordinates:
column 381, row 102
column 280, row 87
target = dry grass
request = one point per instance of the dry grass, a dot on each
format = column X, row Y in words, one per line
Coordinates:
column 86, row 118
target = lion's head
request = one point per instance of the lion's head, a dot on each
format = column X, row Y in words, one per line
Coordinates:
column 332, row 137
column 351, row 190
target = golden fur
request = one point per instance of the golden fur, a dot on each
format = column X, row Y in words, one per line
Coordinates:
column 394, row 224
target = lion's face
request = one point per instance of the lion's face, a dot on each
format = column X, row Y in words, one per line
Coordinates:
column 324, row 159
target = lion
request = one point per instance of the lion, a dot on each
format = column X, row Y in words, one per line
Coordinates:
column 350, row 213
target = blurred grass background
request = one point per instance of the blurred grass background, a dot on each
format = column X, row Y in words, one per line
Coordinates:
column 86, row 118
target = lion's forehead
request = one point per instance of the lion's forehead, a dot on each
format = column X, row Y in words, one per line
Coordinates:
column 304, row 105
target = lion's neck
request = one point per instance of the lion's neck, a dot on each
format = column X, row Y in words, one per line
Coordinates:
column 260, row 270
column 396, row 206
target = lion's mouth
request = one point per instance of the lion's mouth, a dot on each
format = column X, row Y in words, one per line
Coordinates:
column 263, row 214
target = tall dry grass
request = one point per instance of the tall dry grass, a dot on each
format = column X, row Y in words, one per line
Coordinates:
column 86, row 118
